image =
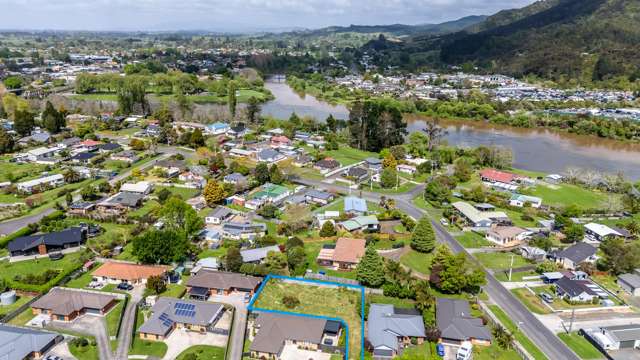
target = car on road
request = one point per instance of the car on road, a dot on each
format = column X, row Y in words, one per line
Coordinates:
column 444, row 222
column 125, row 286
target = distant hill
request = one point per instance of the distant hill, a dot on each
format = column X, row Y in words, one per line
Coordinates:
column 579, row 39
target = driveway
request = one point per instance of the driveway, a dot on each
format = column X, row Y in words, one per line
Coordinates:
column 92, row 325
column 291, row 352
column 128, row 320
column 11, row 226
column 182, row 339
column 61, row 350
column 236, row 342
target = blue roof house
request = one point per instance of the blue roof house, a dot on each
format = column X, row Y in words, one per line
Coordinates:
column 355, row 205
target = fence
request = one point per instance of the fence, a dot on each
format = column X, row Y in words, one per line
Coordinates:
column 233, row 318
column 314, row 276
column 493, row 320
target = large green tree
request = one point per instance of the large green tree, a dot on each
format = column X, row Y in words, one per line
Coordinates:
column 232, row 100
column 6, row 141
column 160, row 247
column 370, row 269
column 52, row 119
column 233, row 259
column 423, row 238
column 376, row 124
column 23, row 122
column 179, row 216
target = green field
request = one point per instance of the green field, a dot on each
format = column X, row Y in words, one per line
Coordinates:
column 8, row 271
column 501, row 260
column 89, row 352
column 417, row 261
column 519, row 336
column 532, row 301
column 22, row 299
column 203, row 352
column 471, row 240
column 567, row 194
column 184, row 193
column 348, row 156
column 581, row 346
column 337, row 303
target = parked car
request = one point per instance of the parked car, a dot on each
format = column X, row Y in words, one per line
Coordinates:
column 125, row 286
column 440, row 349
column 546, row 297
column 56, row 256
column 465, row 351
column 444, row 222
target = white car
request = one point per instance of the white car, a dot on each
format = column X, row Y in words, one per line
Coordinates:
column 444, row 222
column 465, row 351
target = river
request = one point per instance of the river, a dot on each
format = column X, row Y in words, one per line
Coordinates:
column 541, row 150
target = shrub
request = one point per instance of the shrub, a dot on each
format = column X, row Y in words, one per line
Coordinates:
column 290, row 301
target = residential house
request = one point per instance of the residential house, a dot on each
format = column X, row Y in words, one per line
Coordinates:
column 25, row 343
column 197, row 203
column 210, row 263
column 267, row 193
column 507, row 236
column 361, row 223
column 480, row 219
column 171, row 168
column 211, row 236
column 302, row 160
column 326, row 165
column 275, row 332
column 218, row 128
column 406, row 169
column 630, row 283
column 141, row 187
column 597, row 233
column 126, row 156
column 42, row 244
column 45, row 182
column 280, row 141
column 87, row 145
column 114, row 272
column 63, row 304
column 70, row 142
column 373, row 164
column 238, row 131
column 357, row 173
column 554, row 178
column 454, row 320
column 36, row 154
column 257, row 255
column 218, row 215
column 616, row 337
column 206, row 283
column 318, row 197
column 109, row 147
column 390, row 330
column 120, row 203
column 81, row 208
column 574, row 255
column 235, row 179
column 83, row 157
column 243, row 230
column 321, row 218
column 575, row 290
column 355, row 206
column 169, row 314
column 191, row 179
column 344, row 255
column 269, row 156
column 521, row 200
column 532, row 253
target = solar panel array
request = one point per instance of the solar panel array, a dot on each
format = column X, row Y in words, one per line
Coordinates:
column 183, row 309
column 166, row 321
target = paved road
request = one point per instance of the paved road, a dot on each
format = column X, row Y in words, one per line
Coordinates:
column 11, row 226
column 128, row 321
column 95, row 326
column 236, row 338
column 546, row 340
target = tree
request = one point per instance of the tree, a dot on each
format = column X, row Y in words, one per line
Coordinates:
column 160, row 247
column 275, row 175
column 131, row 91
column 573, row 233
column 462, row 170
column 233, row 260
column 503, row 338
column 389, row 161
column 23, row 122
column 13, row 82
column 71, row 176
column 197, row 139
column 276, row 263
column 332, row 124
column 290, row 301
column 376, row 124
column 418, row 144
column 434, row 133
column 328, row 229
column 156, row 284
column 232, row 101
column 179, row 216
column 619, row 257
column 163, row 195
column 253, row 110
column 268, row 211
column 370, row 269
column 454, row 273
column 297, row 260
column 52, row 119
column 214, row 193
column 423, row 238
column 261, row 173
column 398, row 152
column 546, row 266
column 388, row 178
column 437, row 192
column 6, row 141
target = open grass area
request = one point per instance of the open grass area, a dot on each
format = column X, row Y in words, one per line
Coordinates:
column 403, row 188
column 581, row 346
column 423, row 351
column 21, row 300
column 518, row 335
column 147, row 207
column 515, row 276
column 22, row 318
column 89, row 352
column 64, row 266
column 203, row 352
column 144, row 347
column 471, row 240
column 338, row 205
column 184, row 193
column 494, row 352
column 174, row 290
column 501, row 260
column 14, row 170
column 397, row 302
column 417, row 261
column 337, row 303
column 96, row 97
column 113, row 318
column 348, row 156
column 531, row 300
column 567, row 194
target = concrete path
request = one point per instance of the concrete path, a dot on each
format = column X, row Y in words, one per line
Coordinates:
column 128, row 321
column 95, row 326
column 236, row 341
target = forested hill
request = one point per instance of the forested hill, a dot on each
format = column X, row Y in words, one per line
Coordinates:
column 597, row 39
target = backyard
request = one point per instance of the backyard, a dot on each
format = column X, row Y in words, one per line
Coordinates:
column 567, row 194
column 324, row 301
column 18, row 274
column 581, row 346
column 472, row 240
column 501, row 260
column 417, row 261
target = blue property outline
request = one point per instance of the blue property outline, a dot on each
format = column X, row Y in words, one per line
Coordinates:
column 250, row 307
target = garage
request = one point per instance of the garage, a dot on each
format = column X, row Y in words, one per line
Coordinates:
column 628, row 344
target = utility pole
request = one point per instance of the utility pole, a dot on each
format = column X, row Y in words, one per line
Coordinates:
column 573, row 316
column 511, row 266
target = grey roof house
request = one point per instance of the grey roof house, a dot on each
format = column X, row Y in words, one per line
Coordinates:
column 18, row 343
column 207, row 282
column 45, row 243
column 454, row 320
column 170, row 313
column 630, row 283
column 256, row 256
column 391, row 329
column 575, row 254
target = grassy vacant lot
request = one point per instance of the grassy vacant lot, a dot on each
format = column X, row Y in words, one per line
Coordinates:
column 531, row 301
column 417, row 261
column 203, row 352
column 566, row 194
column 519, row 336
column 184, row 193
column 515, row 276
column 583, row 348
column 501, row 260
column 337, row 303
column 347, row 155
column 9, row 271
column 471, row 240
column 13, row 170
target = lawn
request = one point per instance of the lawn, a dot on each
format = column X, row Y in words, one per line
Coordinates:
column 397, row 302
column 174, row 290
column 184, row 193
column 347, row 155
column 472, row 240
column 22, row 318
column 89, row 352
column 8, row 271
column 581, row 346
column 113, row 318
column 337, row 303
column 21, row 300
column 567, row 194
column 13, row 170
column 494, row 352
column 515, row 276
column 96, row 97
column 203, row 352
column 81, row 281
column 338, row 205
column 417, row 261
column 144, row 347
column 148, row 207
column 501, row 260
column 531, row 300
column 519, row 336
column 403, row 188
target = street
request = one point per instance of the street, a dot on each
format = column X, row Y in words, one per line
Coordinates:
column 128, row 321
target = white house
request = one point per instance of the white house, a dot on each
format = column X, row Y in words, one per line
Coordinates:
column 50, row 181
column 217, row 128
column 630, row 283
column 520, row 200
column 406, row 169
column 598, row 232
column 141, row 187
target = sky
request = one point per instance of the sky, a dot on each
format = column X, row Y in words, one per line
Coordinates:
column 234, row 15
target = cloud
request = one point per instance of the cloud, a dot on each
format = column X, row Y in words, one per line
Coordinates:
column 234, row 15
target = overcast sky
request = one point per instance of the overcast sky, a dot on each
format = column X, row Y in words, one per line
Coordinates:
column 234, row 15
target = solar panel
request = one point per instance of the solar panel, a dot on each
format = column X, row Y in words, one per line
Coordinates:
column 190, row 313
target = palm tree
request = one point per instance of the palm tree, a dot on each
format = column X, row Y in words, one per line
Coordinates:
column 424, row 295
column 71, row 176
